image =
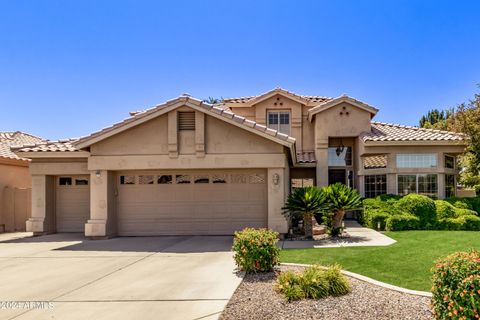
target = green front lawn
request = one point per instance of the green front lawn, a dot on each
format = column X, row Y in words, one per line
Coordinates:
column 406, row 263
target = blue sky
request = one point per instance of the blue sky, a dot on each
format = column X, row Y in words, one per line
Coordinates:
column 68, row 68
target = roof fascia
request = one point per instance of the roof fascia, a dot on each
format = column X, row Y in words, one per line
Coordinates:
column 334, row 102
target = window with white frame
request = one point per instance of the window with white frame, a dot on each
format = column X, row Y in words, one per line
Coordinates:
column 279, row 120
column 417, row 160
column 425, row 184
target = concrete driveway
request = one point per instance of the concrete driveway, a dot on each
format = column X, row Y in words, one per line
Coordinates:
column 65, row 276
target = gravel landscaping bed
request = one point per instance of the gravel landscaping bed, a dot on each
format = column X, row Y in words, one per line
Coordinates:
column 256, row 298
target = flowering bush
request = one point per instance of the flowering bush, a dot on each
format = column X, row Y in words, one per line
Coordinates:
column 256, row 250
column 456, row 286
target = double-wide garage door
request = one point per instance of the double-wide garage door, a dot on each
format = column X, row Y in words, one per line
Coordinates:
column 191, row 202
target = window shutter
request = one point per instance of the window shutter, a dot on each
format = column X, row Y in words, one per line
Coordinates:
column 186, row 120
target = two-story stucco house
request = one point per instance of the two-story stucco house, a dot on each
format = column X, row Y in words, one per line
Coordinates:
column 188, row 167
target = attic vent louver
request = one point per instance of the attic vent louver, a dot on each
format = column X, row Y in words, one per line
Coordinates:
column 186, row 120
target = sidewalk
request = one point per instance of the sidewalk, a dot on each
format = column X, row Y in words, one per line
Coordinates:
column 359, row 237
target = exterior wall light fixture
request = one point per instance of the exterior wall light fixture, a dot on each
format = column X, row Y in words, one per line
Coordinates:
column 97, row 173
column 276, row 178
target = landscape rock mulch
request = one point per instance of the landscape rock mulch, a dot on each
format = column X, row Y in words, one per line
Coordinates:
column 256, row 298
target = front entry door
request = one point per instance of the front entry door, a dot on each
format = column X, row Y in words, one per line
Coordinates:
column 337, row 175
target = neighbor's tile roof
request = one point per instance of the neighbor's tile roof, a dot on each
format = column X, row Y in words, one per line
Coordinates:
column 9, row 139
column 306, row 157
column 65, row 145
column 395, row 132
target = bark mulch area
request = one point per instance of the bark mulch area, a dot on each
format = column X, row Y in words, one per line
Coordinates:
column 256, row 298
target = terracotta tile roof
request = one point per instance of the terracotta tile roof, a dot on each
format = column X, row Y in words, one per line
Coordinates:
column 395, row 132
column 306, row 157
column 208, row 108
column 9, row 139
column 375, row 162
column 48, row 146
column 309, row 99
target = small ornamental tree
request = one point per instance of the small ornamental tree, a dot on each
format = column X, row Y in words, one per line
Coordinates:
column 305, row 202
column 255, row 250
column 338, row 199
column 456, row 286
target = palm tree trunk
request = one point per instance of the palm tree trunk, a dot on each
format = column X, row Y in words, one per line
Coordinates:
column 308, row 225
column 337, row 221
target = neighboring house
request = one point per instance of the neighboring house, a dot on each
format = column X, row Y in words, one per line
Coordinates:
column 188, row 167
column 15, row 182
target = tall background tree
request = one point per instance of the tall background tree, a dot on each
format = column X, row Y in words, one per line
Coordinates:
column 464, row 118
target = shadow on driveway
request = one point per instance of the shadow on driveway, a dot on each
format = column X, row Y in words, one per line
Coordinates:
column 165, row 244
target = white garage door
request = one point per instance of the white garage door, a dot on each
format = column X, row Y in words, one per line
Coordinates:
column 191, row 202
column 72, row 199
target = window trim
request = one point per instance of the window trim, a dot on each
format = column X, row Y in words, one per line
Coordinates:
column 376, row 177
column 278, row 112
column 347, row 148
column 416, row 154
column 416, row 181
column 445, row 156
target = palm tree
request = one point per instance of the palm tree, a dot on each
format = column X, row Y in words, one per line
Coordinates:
column 212, row 100
column 306, row 202
column 340, row 198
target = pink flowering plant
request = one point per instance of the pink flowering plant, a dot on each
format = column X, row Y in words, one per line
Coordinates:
column 456, row 286
column 255, row 250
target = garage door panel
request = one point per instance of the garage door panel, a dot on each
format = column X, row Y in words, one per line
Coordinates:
column 193, row 208
column 72, row 204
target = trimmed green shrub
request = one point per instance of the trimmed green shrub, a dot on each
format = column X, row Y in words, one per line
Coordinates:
column 313, row 282
column 451, row 224
column 456, row 286
column 371, row 218
column 386, row 197
column 337, row 283
column 466, row 203
column 464, row 212
column 255, row 250
column 461, row 205
column 402, row 222
column 444, row 209
column 420, row 206
column 372, row 203
column 465, row 222
column 472, row 223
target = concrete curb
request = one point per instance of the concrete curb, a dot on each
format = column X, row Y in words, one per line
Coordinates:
column 371, row 281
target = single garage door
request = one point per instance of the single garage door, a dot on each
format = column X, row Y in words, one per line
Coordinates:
column 191, row 202
column 72, row 199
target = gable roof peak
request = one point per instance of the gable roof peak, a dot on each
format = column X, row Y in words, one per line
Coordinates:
column 335, row 101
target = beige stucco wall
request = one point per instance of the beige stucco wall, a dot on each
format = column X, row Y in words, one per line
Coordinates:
column 330, row 123
column 157, row 144
column 392, row 171
column 301, row 129
column 223, row 138
column 13, row 174
column 147, row 138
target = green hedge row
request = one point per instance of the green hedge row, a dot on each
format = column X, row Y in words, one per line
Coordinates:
column 417, row 212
